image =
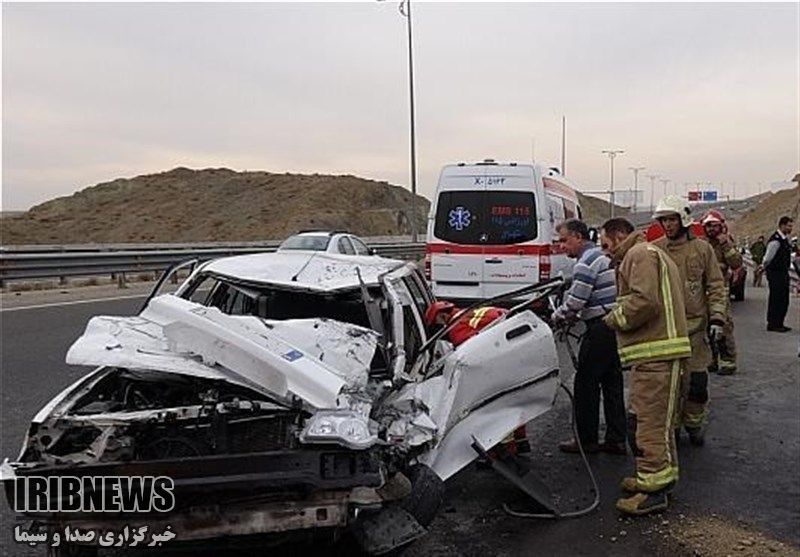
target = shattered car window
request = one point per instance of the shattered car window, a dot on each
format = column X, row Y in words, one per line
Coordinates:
column 200, row 290
column 274, row 303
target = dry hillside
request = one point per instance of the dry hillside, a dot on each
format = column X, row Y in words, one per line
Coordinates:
column 221, row 205
column 763, row 219
column 215, row 205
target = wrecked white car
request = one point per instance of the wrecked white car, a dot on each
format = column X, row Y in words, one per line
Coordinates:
column 287, row 392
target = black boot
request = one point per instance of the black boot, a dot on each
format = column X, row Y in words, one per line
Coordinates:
column 697, row 435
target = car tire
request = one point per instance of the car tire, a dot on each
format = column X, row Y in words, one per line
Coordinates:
column 427, row 494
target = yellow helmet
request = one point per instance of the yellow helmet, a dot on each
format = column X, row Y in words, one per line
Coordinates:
column 674, row 205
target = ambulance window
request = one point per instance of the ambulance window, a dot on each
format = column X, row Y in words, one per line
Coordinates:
column 555, row 210
column 459, row 217
column 569, row 209
column 510, row 217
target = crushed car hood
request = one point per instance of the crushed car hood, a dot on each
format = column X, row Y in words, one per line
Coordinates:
column 313, row 359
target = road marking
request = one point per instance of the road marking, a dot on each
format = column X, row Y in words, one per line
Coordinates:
column 74, row 302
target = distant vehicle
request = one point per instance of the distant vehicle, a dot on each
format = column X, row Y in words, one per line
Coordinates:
column 337, row 242
column 736, row 282
column 491, row 228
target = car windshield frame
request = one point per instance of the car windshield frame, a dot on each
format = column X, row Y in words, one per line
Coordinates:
column 306, row 242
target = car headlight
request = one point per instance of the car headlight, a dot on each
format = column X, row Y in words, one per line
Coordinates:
column 343, row 427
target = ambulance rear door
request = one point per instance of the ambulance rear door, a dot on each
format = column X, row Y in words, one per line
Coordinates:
column 455, row 243
column 511, row 250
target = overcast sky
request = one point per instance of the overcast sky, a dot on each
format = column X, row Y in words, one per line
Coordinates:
column 693, row 92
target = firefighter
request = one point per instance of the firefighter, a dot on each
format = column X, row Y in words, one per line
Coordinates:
column 468, row 325
column 442, row 313
column 705, row 303
column 729, row 260
column 650, row 322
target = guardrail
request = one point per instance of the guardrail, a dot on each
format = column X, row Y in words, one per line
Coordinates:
column 42, row 262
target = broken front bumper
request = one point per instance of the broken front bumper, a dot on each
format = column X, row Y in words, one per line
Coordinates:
column 231, row 495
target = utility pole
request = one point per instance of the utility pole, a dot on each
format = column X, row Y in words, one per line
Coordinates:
column 664, row 182
column 653, row 178
column 636, row 170
column 533, row 149
column 405, row 11
column 612, row 154
column 563, row 145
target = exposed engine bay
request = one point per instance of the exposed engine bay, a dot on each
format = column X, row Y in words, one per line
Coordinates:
column 146, row 415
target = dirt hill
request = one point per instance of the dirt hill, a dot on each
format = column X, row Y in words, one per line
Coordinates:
column 763, row 219
column 215, row 205
column 222, row 205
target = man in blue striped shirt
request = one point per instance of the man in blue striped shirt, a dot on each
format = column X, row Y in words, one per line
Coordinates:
column 590, row 297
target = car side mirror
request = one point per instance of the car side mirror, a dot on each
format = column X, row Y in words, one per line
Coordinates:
column 373, row 251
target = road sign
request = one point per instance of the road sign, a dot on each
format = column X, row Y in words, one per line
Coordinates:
column 695, row 195
column 709, row 196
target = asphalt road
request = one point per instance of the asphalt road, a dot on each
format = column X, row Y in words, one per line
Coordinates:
column 740, row 494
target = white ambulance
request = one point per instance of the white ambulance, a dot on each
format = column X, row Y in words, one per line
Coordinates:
column 492, row 228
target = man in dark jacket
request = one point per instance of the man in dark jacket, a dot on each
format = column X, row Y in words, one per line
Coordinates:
column 776, row 264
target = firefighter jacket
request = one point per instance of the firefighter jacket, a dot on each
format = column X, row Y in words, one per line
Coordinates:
column 705, row 295
column 728, row 256
column 649, row 315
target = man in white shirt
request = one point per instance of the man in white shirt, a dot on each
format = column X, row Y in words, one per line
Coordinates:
column 777, row 260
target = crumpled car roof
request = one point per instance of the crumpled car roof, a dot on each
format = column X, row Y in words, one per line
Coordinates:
column 311, row 271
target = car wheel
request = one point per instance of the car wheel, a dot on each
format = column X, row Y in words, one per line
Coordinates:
column 427, row 493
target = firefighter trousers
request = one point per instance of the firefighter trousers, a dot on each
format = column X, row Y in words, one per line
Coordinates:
column 726, row 346
column 694, row 386
column 653, row 407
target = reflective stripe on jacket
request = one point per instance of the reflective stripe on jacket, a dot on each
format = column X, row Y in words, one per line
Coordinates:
column 649, row 316
column 472, row 322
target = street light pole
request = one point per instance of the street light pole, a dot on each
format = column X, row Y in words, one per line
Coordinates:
column 563, row 145
column 636, row 170
column 653, row 178
column 405, row 9
column 612, row 154
column 664, row 182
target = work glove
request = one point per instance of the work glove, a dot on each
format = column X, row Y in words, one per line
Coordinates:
column 715, row 332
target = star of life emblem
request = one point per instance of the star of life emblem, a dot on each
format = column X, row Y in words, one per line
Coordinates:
column 459, row 218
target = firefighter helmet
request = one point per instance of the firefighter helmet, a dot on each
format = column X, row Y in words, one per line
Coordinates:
column 713, row 216
column 674, row 205
column 435, row 309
